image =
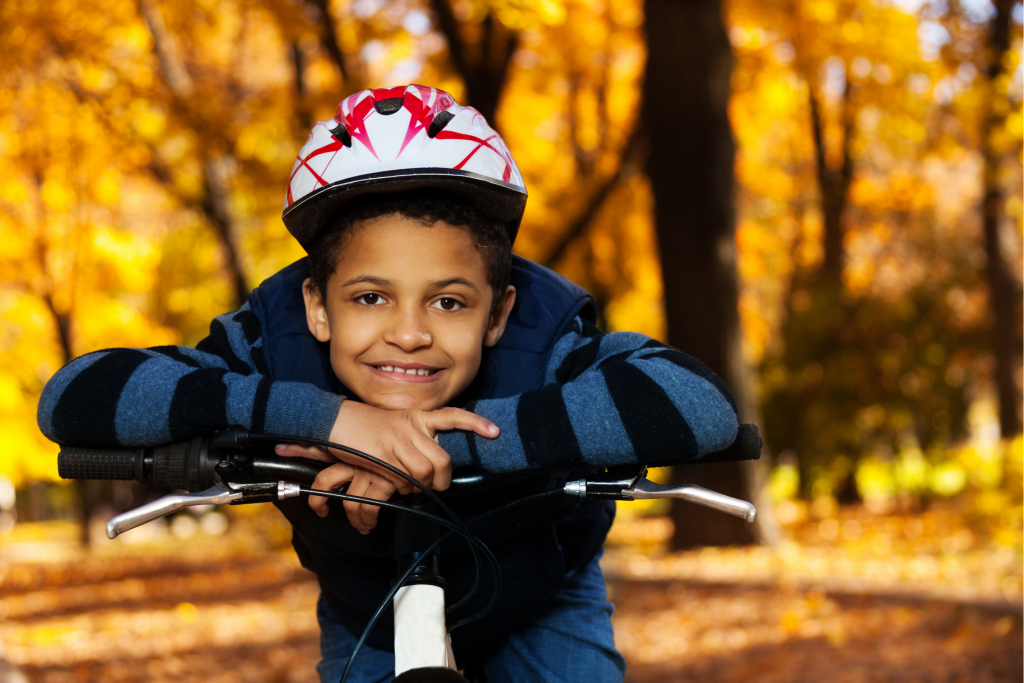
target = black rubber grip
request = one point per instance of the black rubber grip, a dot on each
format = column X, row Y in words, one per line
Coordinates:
column 169, row 465
column 97, row 463
column 747, row 446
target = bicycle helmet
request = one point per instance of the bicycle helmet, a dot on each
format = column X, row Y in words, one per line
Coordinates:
column 401, row 138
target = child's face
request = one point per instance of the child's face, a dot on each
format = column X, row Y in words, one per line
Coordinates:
column 408, row 313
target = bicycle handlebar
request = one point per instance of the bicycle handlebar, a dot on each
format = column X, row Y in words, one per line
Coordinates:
column 192, row 465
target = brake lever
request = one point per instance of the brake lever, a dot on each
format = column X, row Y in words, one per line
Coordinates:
column 218, row 494
column 641, row 488
column 235, row 492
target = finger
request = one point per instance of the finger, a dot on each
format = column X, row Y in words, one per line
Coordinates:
column 379, row 489
column 415, row 457
column 294, row 450
column 328, row 480
column 353, row 510
column 403, row 486
column 440, row 461
column 445, row 419
column 390, row 459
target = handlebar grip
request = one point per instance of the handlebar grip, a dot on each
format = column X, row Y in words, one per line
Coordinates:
column 97, row 463
column 187, row 465
column 747, row 446
column 169, row 464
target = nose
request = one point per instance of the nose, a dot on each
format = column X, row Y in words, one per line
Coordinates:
column 408, row 331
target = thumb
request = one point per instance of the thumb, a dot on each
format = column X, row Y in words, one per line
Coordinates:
column 445, row 419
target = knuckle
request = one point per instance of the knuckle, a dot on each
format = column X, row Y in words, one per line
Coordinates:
column 421, row 470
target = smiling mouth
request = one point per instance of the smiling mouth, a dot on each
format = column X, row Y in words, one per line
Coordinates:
column 419, row 372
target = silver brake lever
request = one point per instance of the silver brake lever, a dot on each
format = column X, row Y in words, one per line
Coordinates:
column 643, row 488
column 646, row 489
column 215, row 495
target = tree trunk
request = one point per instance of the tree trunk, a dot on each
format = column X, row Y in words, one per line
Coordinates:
column 1004, row 293
column 686, row 96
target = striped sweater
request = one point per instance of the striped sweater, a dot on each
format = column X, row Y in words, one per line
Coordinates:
column 608, row 399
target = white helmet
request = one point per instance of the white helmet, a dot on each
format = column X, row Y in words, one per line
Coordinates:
column 394, row 139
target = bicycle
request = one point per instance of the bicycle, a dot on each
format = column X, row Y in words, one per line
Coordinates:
column 228, row 467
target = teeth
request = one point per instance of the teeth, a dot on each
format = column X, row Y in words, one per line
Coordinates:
column 411, row 371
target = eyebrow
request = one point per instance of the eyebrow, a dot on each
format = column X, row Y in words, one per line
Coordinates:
column 384, row 282
column 370, row 279
column 441, row 284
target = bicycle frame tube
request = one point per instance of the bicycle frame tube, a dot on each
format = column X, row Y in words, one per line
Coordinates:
column 421, row 638
column 421, row 634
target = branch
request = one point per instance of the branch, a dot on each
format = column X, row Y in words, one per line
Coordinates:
column 819, row 137
column 302, row 115
column 329, row 42
column 484, row 77
column 215, row 204
column 849, row 130
column 449, row 26
column 632, row 156
column 833, row 184
column 61, row 321
column 175, row 74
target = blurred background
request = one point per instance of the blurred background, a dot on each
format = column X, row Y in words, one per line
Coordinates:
column 820, row 199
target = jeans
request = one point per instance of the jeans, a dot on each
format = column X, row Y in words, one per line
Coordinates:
column 568, row 640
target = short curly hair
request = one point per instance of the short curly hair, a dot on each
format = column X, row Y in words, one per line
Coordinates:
column 427, row 206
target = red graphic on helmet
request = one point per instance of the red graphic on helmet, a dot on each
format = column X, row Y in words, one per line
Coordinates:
column 423, row 105
column 397, row 139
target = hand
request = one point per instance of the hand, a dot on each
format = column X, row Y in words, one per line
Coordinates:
column 405, row 440
column 365, row 483
column 402, row 438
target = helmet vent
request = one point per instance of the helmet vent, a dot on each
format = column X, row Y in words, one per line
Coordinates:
column 439, row 122
column 388, row 106
column 342, row 136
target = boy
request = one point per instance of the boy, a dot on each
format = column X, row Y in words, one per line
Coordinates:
column 413, row 334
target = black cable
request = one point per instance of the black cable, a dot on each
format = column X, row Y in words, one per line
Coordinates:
column 469, row 595
column 290, row 438
column 455, row 526
column 461, row 530
column 474, row 542
column 277, row 438
column 383, row 605
column 542, row 494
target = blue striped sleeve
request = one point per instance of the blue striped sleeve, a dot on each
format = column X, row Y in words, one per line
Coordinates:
column 144, row 397
column 610, row 399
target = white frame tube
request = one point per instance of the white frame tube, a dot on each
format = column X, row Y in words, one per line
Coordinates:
column 421, row 637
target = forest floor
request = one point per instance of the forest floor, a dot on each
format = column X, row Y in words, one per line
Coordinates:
column 864, row 598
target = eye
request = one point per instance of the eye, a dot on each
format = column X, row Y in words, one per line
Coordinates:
column 447, row 304
column 370, row 299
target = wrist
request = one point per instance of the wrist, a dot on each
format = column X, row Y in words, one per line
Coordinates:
column 351, row 416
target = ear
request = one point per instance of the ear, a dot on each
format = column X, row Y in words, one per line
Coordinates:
column 499, row 316
column 316, row 312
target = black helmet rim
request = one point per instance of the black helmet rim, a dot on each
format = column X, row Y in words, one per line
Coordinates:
column 306, row 218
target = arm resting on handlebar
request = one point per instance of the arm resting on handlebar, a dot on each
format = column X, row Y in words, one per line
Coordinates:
column 149, row 397
column 612, row 399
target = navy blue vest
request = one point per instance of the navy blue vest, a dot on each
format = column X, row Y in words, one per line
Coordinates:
column 538, row 544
